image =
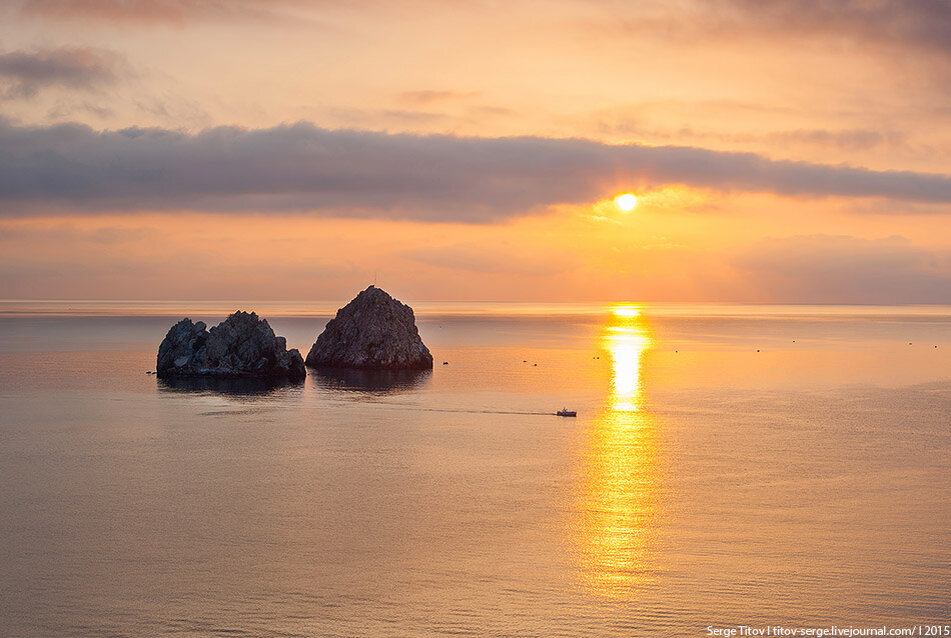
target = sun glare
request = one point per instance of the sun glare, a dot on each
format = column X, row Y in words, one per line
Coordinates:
column 626, row 311
column 626, row 202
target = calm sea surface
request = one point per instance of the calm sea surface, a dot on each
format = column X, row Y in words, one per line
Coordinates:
column 728, row 466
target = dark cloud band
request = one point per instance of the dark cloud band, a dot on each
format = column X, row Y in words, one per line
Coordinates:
column 301, row 167
column 23, row 74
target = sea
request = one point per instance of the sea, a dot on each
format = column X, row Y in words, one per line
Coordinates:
column 731, row 470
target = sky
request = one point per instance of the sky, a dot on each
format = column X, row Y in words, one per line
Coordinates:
column 781, row 151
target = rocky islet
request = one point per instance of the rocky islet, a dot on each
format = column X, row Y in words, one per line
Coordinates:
column 372, row 332
column 243, row 345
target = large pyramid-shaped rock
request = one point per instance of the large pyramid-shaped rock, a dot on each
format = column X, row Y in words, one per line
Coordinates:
column 372, row 332
column 240, row 346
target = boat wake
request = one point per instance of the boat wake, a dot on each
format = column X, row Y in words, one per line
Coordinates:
column 422, row 408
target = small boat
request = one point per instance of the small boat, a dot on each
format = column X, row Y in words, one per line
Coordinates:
column 566, row 412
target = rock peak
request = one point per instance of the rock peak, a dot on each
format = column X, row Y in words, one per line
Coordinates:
column 372, row 332
column 376, row 294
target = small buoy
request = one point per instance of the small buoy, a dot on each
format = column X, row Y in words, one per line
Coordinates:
column 535, row 364
column 445, row 363
column 757, row 350
column 909, row 343
column 524, row 360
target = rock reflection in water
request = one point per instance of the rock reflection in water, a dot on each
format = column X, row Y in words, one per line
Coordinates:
column 238, row 386
column 376, row 381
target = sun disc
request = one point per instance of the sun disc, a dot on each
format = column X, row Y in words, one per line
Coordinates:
column 626, row 202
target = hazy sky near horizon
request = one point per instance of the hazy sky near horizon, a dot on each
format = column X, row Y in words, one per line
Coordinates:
column 781, row 151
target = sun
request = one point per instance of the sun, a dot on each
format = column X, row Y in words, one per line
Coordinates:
column 626, row 202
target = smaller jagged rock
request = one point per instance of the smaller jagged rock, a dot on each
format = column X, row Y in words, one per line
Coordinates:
column 240, row 346
column 372, row 332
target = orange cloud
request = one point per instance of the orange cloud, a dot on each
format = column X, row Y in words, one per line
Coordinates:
column 151, row 11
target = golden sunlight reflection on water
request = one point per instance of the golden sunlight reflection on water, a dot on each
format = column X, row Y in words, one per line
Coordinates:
column 619, row 476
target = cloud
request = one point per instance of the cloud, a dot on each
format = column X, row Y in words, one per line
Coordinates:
column 152, row 11
column 505, row 260
column 843, row 269
column 429, row 97
column 906, row 23
column 857, row 139
column 849, row 139
column 64, row 233
column 23, row 74
column 919, row 24
column 300, row 167
column 853, row 139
